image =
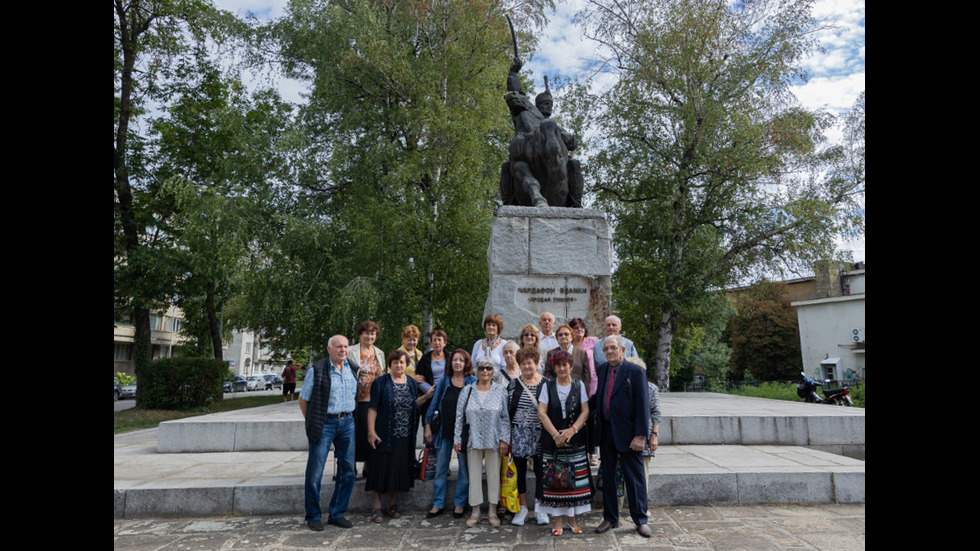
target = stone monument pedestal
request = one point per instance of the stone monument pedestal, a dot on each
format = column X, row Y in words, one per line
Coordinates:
column 549, row 259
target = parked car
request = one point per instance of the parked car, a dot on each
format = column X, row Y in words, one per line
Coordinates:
column 238, row 383
column 274, row 380
column 129, row 391
column 256, row 382
column 116, row 389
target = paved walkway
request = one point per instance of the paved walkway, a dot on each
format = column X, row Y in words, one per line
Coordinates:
column 752, row 495
column 749, row 528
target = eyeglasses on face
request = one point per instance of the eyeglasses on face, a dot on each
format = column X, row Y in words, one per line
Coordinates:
column 485, row 368
column 525, row 335
column 563, row 334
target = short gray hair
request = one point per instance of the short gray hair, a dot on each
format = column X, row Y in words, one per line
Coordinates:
column 619, row 340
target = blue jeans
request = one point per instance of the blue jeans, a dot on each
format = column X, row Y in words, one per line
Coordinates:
column 444, row 454
column 340, row 433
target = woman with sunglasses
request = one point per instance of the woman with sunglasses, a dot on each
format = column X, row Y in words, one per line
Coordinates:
column 531, row 336
column 580, row 360
column 483, row 407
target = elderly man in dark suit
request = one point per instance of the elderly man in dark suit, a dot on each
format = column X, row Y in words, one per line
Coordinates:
column 622, row 424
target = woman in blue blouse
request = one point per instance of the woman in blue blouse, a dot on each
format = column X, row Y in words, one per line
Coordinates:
column 440, row 421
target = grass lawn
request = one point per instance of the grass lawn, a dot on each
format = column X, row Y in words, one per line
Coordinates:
column 787, row 391
column 137, row 419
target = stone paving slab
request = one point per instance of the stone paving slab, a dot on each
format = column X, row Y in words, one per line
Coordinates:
column 751, row 528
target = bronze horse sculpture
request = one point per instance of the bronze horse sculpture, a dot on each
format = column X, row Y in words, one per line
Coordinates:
column 539, row 171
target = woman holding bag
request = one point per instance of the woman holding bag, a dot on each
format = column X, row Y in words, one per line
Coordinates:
column 440, row 422
column 563, row 408
column 482, row 412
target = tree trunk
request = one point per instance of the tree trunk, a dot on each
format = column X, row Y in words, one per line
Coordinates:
column 427, row 310
column 213, row 325
column 142, row 347
column 665, row 336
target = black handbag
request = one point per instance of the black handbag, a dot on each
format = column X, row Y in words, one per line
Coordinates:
column 464, row 437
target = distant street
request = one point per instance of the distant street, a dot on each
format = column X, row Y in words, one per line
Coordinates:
column 127, row 403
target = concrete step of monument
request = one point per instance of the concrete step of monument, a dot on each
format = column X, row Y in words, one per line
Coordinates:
column 698, row 418
column 148, row 483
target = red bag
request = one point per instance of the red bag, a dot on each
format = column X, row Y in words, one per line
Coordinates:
column 426, row 464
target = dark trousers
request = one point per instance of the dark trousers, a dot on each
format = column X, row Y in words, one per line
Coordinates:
column 521, row 464
column 634, row 477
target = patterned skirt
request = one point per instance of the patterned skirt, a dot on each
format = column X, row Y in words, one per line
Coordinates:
column 574, row 500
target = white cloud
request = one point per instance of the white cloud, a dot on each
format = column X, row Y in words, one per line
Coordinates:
column 265, row 10
column 835, row 94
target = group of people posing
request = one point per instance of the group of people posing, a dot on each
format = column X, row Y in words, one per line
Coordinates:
column 548, row 408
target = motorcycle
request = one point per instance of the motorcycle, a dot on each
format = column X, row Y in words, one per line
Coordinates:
column 808, row 391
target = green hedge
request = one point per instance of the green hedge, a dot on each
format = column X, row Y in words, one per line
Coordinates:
column 181, row 383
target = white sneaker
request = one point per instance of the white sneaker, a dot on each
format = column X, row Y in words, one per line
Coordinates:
column 518, row 519
column 541, row 517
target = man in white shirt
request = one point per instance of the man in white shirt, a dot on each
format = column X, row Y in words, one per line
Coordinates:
column 613, row 326
column 547, row 341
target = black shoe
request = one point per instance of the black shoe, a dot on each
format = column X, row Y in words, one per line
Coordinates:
column 605, row 526
column 315, row 525
column 433, row 514
column 342, row 522
column 643, row 530
column 459, row 514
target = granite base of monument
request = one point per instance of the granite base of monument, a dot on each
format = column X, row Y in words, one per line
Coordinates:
column 549, row 259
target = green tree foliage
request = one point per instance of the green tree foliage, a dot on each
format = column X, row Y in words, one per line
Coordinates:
column 711, row 169
column 765, row 335
column 407, row 130
column 199, row 164
column 151, row 40
column 699, row 345
column 221, row 158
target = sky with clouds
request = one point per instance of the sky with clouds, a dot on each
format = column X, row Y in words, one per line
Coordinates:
column 836, row 74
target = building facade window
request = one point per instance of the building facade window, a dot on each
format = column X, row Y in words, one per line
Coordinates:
column 156, row 323
column 173, row 324
column 123, row 351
